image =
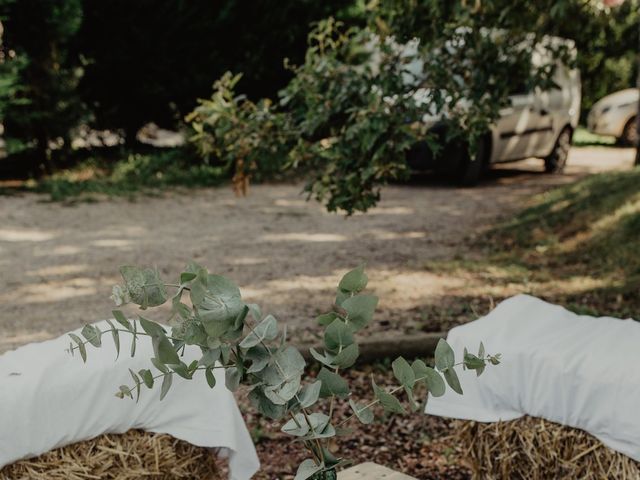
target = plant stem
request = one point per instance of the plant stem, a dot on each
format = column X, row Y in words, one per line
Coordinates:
column 391, row 392
column 124, row 330
column 164, row 374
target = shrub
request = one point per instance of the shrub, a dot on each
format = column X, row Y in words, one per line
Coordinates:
column 355, row 107
column 253, row 351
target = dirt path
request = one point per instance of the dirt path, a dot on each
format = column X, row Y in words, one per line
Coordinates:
column 57, row 262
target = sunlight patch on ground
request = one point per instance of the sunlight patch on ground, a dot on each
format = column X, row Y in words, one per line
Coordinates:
column 284, row 202
column 51, row 291
column 112, row 243
column 57, row 270
column 24, row 235
column 61, row 250
column 386, row 235
column 247, row 261
column 569, row 286
column 387, row 211
column 303, row 237
column 602, row 225
column 395, row 288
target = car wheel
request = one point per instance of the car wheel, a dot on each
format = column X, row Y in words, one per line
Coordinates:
column 472, row 168
column 557, row 159
column 629, row 133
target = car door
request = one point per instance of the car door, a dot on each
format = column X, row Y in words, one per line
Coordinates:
column 515, row 136
column 546, row 102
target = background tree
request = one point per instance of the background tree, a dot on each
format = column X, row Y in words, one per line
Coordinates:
column 45, row 107
column 149, row 60
column 606, row 38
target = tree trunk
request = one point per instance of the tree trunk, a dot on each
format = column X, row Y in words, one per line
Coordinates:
column 637, row 162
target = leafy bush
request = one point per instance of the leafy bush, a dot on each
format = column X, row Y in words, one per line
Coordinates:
column 356, row 106
column 46, row 105
column 253, row 351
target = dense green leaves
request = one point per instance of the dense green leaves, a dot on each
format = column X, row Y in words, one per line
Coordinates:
column 266, row 330
column 445, row 358
column 265, row 406
column 307, row 469
column 116, row 337
column 360, row 310
column 354, row 281
column 151, row 328
column 165, row 351
column 451, row 377
column 211, row 379
column 363, row 413
column 435, row 383
column 217, row 302
column 167, row 380
column 122, row 320
column 403, row 372
column 347, row 356
column 147, row 377
column 144, row 286
column 232, row 378
column 390, row 403
column 297, row 426
column 337, row 335
column 332, row 384
column 80, row 346
column 310, row 394
column 93, row 335
column 252, row 351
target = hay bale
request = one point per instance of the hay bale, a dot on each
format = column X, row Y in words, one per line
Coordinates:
column 536, row 449
column 133, row 455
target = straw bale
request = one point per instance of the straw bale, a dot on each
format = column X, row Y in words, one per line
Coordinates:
column 536, row 449
column 130, row 456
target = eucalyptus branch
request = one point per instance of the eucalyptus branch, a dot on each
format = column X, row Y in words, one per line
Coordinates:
column 281, row 371
column 110, row 330
column 164, row 374
column 217, row 323
column 393, row 391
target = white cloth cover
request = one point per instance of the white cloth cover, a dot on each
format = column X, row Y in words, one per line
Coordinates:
column 571, row 369
column 49, row 399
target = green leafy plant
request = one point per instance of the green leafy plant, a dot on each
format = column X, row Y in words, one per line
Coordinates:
column 254, row 352
column 46, row 106
column 357, row 106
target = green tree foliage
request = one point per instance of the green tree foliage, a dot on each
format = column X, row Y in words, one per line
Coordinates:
column 150, row 59
column 10, row 89
column 606, row 38
column 45, row 107
column 355, row 107
column 253, row 351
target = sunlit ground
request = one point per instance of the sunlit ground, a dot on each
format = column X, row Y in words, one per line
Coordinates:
column 59, row 261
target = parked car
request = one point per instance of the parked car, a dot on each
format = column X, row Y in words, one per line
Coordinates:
column 538, row 123
column 616, row 115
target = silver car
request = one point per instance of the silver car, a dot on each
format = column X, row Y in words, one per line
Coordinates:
column 538, row 123
column 615, row 115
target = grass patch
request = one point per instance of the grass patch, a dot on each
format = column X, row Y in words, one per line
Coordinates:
column 578, row 245
column 136, row 173
column 584, row 138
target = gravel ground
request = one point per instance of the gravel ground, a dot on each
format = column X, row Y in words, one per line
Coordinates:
column 59, row 261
